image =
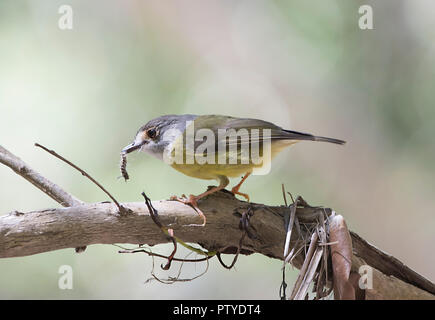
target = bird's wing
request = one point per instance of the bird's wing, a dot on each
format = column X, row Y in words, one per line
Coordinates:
column 214, row 131
column 216, row 123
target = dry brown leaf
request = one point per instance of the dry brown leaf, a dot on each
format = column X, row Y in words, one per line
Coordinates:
column 341, row 253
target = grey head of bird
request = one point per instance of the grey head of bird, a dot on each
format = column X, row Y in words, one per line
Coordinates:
column 158, row 134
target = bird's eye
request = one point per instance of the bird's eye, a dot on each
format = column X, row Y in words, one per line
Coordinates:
column 151, row 133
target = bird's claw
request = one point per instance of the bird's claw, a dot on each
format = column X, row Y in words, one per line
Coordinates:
column 191, row 201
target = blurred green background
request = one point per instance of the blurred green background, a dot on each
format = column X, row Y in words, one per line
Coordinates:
column 304, row 65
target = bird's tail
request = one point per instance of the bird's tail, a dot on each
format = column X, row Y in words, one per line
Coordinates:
column 295, row 135
column 331, row 140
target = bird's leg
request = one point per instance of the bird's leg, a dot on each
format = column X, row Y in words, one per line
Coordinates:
column 193, row 200
column 235, row 190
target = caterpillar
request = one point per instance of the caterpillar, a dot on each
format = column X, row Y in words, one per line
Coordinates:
column 123, row 166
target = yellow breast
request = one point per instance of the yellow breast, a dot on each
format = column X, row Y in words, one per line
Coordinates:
column 209, row 171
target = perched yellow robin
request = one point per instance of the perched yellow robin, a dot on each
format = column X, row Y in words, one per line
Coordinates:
column 215, row 147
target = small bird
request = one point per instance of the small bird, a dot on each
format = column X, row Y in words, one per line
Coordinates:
column 222, row 141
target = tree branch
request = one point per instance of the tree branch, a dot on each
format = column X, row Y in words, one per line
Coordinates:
column 23, row 234
column 51, row 189
column 35, row 232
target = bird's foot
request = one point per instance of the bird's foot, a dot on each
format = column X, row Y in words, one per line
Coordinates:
column 193, row 202
column 235, row 191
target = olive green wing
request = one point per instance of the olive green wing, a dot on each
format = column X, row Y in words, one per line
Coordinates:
column 217, row 123
column 211, row 132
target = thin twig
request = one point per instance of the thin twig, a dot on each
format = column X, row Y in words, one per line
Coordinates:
column 172, row 280
column 243, row 225
column 290, row 228
column 283, row 194
column 174, row 251
column 293, row 221
column 150, row 253
column 122, row 210
column 291, row 196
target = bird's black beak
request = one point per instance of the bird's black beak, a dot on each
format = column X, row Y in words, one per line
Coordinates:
column 131, row 147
